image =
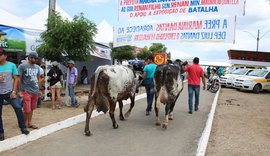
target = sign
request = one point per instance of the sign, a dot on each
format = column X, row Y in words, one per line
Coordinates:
column 102, row 52
column 132, row 9
column 160, row 58
column 12, row 39
column 199, row 30
column 26, row 40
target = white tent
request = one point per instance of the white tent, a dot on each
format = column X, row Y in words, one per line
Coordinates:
column 40, row 18
column 105, row 33
column 11, row 20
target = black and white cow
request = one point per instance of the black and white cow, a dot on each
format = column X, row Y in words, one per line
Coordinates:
column 111, row 84
column 168, row 86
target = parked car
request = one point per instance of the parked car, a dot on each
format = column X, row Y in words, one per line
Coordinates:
column 256, row 81
column 227, row 79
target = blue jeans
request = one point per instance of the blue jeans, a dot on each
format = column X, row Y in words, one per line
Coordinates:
column 16, row 104
column 191, row 89
column 72, row 94
column 150, row 95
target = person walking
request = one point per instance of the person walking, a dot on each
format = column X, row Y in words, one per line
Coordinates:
column 148, row 76
column 72, row 81
column 8, row 87
column 29, row 87
column 195, row 72
column 55, row 78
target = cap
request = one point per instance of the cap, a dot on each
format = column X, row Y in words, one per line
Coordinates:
column 33, row 55
column 2, row 51
column 55, row 63
column 71, row 62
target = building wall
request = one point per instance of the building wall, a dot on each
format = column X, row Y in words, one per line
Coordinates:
column 91, row 66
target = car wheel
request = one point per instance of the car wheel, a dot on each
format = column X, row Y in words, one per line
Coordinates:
column 257, row 88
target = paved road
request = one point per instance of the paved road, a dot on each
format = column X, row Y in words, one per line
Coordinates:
column 137, row 136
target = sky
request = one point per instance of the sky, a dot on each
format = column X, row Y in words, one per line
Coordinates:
column 257, row 17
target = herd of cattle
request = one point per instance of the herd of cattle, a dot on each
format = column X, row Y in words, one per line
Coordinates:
column 113, row 83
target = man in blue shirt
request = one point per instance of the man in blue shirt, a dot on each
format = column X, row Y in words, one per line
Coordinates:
column 148, row 75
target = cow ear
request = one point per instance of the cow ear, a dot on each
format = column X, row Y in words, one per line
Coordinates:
column 185, row 63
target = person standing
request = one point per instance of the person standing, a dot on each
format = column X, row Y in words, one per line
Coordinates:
column 208, row 69
column 195, row 72
column 84, row 74
column 148, row 75
column 72, row 81
column 29, row 87
column 8, row 87
column 55, row 77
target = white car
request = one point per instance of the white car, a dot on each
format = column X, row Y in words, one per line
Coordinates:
column 256, row 81
column 227, row 80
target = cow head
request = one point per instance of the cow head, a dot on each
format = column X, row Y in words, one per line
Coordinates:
column 181, row 64
column 138, row 79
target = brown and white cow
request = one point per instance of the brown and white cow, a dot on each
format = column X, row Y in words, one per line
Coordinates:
column 168, row 86
column 111, row 84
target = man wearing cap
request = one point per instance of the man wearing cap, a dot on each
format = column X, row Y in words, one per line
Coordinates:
column 8, row 87
column 72, row 81
column 29, row 87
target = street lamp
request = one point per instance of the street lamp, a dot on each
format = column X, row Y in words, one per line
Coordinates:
column 258, row 37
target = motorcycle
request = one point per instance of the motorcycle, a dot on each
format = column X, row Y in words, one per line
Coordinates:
column 213, row 84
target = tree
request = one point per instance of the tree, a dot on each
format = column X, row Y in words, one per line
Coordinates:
column 123, row 53
column 71, row 39
column 144, row 53
column 158, row 48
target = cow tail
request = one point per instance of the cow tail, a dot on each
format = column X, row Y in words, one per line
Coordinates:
column 99, row 69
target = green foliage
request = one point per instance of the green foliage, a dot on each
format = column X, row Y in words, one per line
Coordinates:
column 72, row 39
column 123, row 53
column 144, row 53
column 157, row 48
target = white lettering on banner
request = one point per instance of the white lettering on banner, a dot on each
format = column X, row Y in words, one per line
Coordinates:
column 201, row 30
column 3, row 44
column 147, row 8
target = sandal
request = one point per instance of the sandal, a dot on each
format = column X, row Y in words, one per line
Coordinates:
column 58, row 106
column 33, row 126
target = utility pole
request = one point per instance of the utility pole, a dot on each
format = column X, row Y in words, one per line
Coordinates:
column 51, row 6
column 258, row 40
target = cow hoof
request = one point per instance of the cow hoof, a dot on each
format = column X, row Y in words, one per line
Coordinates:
column 164, row 126
column 170, row 116
column 121, row 118
column 127, row 115
column 115, row 126
column 157, row 123
column 88, row 133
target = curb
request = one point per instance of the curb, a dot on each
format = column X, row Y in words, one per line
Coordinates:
column 19, row 140
column 202, row 144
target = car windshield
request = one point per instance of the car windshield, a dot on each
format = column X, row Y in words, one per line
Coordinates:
column 240, row 71
column 258, row 73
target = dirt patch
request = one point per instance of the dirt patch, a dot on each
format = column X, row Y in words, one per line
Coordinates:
column 241, row 124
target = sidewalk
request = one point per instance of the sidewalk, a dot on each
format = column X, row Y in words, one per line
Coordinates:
column 44, row 115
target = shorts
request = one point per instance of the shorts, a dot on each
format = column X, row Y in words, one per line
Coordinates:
column 29, row 101
column 57, row 85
